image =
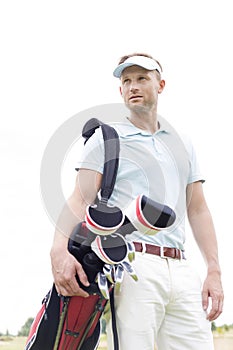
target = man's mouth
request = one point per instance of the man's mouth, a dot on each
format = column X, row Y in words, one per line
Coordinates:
column 135, row 97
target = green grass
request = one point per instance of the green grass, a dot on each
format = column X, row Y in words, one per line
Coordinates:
column 223, row 342
column 18, row 343
column 12, row 343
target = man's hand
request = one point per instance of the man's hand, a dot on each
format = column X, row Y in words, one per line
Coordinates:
column 65, row 268
column 212, row 289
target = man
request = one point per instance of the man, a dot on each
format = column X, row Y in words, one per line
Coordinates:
column 166, row 307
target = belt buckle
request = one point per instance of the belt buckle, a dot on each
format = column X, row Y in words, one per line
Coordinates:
column 162, row 252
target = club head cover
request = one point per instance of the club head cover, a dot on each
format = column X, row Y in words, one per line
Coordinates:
column 111, row 249
column 149, row 216
column 102, row 219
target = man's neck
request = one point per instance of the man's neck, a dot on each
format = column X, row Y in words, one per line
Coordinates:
column 145, row 121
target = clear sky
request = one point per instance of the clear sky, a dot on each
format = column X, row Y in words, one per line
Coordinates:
column 57, row 59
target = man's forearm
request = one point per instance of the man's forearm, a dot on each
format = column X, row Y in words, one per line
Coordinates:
column 204, row 233
column 72, row 213
column 65, row 267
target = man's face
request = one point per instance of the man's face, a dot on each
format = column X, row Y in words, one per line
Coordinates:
column 140, row 88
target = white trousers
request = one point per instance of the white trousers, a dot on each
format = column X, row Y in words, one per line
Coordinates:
column 163, row 309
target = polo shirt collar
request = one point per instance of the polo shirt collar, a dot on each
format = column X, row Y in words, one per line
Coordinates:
column 129, row 129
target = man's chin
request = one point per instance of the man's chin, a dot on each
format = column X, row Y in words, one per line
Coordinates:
column 136, row 107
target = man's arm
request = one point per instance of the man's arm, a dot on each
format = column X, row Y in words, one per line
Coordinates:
column 203, row 230
column 64, row 266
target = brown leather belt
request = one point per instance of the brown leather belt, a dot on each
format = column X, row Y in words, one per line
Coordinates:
column 163, row 252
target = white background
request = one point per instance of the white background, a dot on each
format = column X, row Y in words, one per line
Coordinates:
column 57, row 59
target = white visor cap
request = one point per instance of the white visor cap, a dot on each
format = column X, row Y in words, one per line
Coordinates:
column 141, row 61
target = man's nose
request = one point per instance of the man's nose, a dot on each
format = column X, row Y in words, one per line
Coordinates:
column 133, row 87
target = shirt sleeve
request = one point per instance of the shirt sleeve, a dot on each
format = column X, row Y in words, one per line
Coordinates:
column 194, row 172
column 92, row 154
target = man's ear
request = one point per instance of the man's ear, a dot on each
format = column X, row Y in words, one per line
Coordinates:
column 161, row 86
column 120, row 89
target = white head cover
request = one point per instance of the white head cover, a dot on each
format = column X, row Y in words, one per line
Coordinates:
column 141, row 61
column 135, row 214
column 112, row 249
column 102, row 219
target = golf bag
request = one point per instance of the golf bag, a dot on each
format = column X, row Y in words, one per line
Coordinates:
column 73, row 322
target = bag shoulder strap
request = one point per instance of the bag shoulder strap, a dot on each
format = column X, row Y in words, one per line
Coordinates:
column 111, row 156
column 111, row 163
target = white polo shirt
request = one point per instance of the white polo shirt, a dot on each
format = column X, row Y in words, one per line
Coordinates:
column 158, row 165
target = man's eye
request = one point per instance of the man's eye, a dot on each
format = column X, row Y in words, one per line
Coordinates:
column 142, row 78
column 125, row 81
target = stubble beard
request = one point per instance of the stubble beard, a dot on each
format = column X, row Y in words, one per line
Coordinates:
column 140, row 109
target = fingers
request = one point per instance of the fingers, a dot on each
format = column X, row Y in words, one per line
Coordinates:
column 205, row 300
column 216, row 304
column 212, row 296
column 216, row 308
column 65, row 279
column 70, row 288
column 81, row 274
